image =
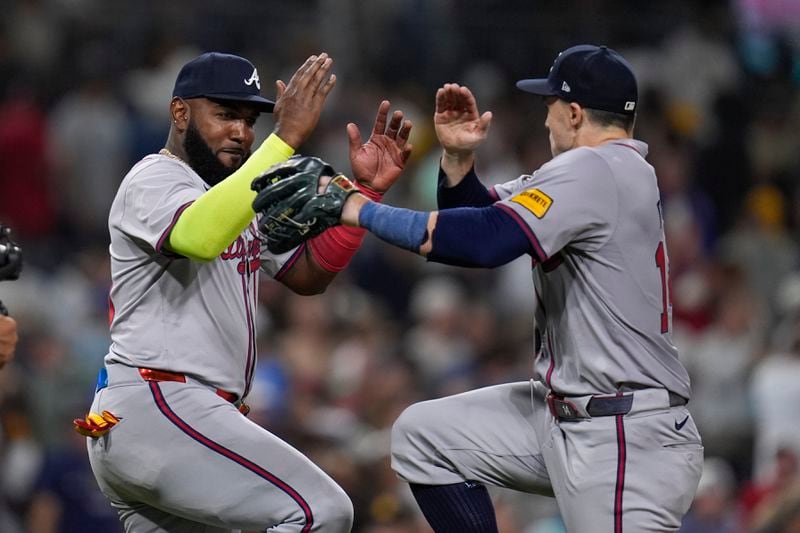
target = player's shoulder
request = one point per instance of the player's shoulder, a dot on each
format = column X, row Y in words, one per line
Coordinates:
column 575, row 163
column 158, row 167
column 160, row 164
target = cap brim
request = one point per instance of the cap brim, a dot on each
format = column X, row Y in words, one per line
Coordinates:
column 261, row 103
column 537, row 86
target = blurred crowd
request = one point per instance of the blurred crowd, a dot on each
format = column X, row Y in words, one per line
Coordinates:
column 84, row 90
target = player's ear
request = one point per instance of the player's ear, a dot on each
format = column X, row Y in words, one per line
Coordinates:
column 179, row 110
column 576, row 115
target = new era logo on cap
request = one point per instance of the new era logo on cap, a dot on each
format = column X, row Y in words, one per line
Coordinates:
column 596, row 77
column 224, row 77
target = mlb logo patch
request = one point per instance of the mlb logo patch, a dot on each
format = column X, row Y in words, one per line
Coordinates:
column 534, row 201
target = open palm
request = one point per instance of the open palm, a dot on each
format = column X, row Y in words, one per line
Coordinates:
column 378, row 162
column 458, row 125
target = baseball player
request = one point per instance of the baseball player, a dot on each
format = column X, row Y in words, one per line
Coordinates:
column 167, row 437
column 604, row 426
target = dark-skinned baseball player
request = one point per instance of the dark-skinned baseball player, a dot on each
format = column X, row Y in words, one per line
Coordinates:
column 168, row 439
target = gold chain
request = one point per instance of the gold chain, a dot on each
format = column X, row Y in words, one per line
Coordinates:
column 167, row 153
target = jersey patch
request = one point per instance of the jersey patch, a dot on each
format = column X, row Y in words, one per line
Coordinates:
column 534, row 201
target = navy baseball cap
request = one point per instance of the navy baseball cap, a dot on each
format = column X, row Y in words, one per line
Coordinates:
column 224, row 77
column 596, row 77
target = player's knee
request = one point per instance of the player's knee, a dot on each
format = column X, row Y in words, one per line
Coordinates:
column 414, row 427
column 334, row 513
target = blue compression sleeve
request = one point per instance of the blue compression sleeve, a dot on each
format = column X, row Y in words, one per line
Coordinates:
column 484, row 237
column 402, row 227
column 469, row 192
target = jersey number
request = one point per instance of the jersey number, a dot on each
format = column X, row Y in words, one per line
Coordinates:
column 661, row 263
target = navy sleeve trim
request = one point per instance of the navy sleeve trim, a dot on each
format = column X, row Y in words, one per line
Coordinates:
column 290, row 262
column 469, row 192
column 539, row 253
column 165, row 234
column 484, row 237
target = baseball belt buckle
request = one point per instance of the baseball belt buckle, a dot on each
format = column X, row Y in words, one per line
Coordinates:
column 562, row 408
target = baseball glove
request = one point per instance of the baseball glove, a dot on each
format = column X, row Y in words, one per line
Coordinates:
column 292, row 210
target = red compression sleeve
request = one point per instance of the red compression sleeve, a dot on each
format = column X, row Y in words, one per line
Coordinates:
column 333, row 249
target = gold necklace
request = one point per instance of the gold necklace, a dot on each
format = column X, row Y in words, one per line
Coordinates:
column 167, row 153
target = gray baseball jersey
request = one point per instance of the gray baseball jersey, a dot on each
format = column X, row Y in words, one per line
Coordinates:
column 182, row 458
column 602, row 297
column 172, row 313
column 603, row 319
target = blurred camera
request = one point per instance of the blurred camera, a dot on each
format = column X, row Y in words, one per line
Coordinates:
column 10, row 256
column 10, row 259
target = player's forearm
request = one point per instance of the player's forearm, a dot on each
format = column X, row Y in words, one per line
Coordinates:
column 469, row 192
column 474, row 237
column 220, row 215
column 456, row 166
column 307, row 277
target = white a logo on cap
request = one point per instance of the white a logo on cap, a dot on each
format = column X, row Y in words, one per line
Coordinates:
column 630, row 106
column 565, row 87
column 254, row 79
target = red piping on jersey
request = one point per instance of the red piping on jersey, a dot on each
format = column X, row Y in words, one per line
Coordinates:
column 493, row 194
column 537, row 248
column 621, row 458
column 175, row 218
column 552, row 361
column 290, row 263
column 167, row 411
column 111, row 310
column 250, row 366
column 553, row 262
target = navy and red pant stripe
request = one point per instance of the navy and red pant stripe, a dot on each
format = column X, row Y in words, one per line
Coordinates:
column 181, row 424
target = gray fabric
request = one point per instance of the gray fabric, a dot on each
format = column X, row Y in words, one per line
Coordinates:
column 173, row 313
column 505, row 436
column 599, row 295
column 162, row 479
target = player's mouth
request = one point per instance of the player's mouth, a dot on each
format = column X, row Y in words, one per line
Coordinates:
column 231, row 156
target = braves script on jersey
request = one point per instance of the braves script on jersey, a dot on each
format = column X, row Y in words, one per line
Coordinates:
column 180, row 315
column 176, row 440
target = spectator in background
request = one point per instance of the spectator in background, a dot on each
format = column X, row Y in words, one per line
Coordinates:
column 27, row 199
column 66, row 498
column 90, row 135
column 719, row 363
column 772, row 504
column 761, row 245
column 775, row 393
column 714, row 507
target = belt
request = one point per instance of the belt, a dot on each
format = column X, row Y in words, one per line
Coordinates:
column 565, row 409
column 151, row 374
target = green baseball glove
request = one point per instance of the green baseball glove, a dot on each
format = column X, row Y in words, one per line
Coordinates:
column 292, row 211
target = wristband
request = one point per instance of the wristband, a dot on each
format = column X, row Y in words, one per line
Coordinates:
column 333, row 249
column 402, row 227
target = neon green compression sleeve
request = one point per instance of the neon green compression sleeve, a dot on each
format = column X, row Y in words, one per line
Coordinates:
column 216, row 218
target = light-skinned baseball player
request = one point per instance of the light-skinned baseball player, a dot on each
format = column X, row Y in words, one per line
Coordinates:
column 604, row 426
column 168, row 439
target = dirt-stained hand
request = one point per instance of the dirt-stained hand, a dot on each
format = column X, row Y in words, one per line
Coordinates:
column 378, row 162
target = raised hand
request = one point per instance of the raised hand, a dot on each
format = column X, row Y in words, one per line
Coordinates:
column 299, row 104
column 378, row 162
column 458, row 125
